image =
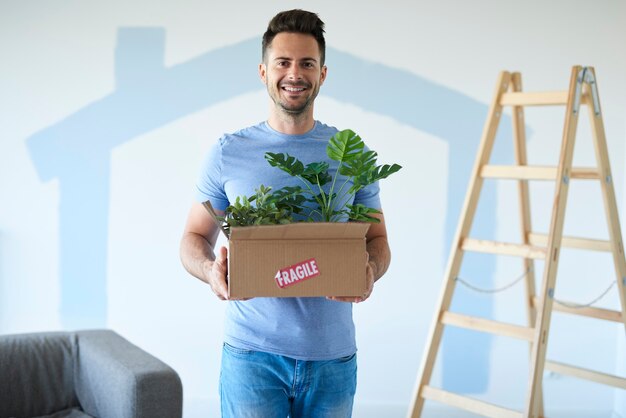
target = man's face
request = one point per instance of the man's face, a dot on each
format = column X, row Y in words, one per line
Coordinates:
column 292, row 72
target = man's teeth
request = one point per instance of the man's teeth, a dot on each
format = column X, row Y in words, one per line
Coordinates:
column 294, row 89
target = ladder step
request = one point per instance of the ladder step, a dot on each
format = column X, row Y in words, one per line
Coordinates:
column 579, row 372
column 529, row 172
column 544, row 98
column 468, row 404
column 588, row 311
column 503, row 248
column 487, row 325
column 572, row 242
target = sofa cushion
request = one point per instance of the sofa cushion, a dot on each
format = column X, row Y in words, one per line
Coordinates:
column 37, row 374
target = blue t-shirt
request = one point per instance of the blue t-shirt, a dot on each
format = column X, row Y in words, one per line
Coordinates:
column 302, row 328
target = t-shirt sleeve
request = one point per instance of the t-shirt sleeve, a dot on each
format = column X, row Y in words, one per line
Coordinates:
column 209, row 185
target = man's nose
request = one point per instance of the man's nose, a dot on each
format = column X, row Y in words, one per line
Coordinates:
column 294, row 73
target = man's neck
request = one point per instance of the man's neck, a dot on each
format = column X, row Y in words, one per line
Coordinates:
column 291, row 124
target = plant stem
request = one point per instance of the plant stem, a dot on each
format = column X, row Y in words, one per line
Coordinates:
column 332, row 186
column 339, row 195
column 325, row 206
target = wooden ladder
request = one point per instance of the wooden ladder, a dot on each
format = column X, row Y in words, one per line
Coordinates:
column 582, row 90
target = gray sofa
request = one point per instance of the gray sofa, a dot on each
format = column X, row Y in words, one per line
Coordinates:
column 84, row 374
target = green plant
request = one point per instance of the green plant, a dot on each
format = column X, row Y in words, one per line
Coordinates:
column 355, row 163
column 264, row 208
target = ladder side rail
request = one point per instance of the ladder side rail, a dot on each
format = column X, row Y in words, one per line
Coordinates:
column 608, row 191
column 521, row 159
column 467, row 214
column 555, row 234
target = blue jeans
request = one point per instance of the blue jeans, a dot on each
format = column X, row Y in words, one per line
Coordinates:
column 255, row 384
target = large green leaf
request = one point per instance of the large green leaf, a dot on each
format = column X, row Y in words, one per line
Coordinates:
column 372, row 175
column 344, row 146
column 363, row 163
column 317, row 173
column 285, row 162
column 289, row 199
column 384, row 171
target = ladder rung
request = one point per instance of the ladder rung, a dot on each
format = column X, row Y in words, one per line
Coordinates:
column 487, row 325
column 543, row 98
column 468, row 404
column 588, row 311
column 579, row 372
column 572, row 242
column 503, row 248
column 529, row 172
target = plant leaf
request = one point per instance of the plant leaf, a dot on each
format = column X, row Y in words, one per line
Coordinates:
column 344, row 146
column 362, row 213
column 316, row 173
column 372, row 175
column 285, row 162
column 363, row 163
column 384, row 171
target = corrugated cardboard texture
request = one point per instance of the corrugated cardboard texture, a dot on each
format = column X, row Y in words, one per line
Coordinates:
column 257, row 253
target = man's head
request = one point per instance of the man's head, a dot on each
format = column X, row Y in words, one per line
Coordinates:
column 295, row 21
column 293, row 64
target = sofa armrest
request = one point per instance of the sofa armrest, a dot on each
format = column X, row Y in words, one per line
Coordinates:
column 116, row 379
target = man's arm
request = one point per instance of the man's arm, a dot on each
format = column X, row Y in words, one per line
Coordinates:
column 197, row 250
column 379, row 257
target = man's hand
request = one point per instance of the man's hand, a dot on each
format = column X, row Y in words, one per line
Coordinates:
column 376, row 262
column 216, row 273
column 369, row 279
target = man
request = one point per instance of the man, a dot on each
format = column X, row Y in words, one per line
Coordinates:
column 282, row 357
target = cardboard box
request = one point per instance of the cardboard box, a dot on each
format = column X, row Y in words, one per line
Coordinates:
column 299, row 259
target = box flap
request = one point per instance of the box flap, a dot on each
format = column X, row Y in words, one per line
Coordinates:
column 301, row 230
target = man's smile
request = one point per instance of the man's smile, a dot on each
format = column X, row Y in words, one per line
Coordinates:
column 293, row 89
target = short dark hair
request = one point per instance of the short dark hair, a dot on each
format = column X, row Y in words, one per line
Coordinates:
column 295, row 21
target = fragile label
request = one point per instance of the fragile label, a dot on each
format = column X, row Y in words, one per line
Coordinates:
column 297, row 273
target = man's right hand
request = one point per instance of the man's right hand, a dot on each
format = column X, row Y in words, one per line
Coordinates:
column 216, row 273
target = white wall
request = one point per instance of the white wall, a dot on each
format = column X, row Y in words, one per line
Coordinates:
column 413, row 78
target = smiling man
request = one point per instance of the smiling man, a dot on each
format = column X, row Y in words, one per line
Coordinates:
column 272, row 367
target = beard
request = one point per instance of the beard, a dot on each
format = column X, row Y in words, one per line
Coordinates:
column 294, row 108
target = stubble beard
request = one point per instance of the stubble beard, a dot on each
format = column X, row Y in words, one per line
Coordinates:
column 294, row 111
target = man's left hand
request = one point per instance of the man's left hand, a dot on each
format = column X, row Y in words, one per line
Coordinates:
column 369, row 278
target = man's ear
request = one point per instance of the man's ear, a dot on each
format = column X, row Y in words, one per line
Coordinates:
column 263, row 72
column 323, row 74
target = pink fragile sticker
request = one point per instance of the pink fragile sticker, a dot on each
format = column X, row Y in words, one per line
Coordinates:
column 297, row 273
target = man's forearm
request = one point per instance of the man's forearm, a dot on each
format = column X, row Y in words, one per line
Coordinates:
column 195, row 253
column 379, row 256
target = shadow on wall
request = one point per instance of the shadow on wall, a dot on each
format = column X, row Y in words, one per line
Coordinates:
column 77, row 151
